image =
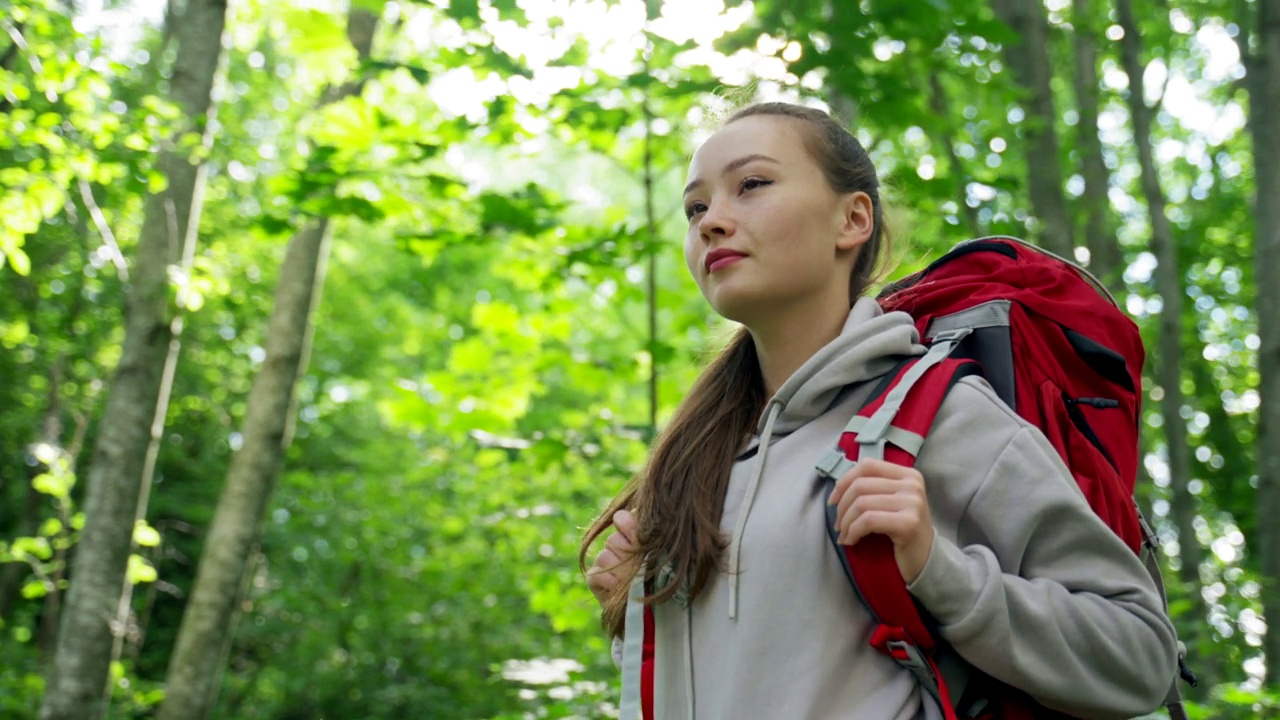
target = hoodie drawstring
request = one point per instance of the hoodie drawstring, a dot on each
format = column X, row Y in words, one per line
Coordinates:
column 688, row 663
column 631, row 660
column 633, row 650
column 735, row 552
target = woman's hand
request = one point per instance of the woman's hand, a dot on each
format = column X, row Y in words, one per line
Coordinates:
column 601, row 577
column 875, row 496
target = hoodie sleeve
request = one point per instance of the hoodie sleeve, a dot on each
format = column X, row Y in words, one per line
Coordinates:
column 1026, row 582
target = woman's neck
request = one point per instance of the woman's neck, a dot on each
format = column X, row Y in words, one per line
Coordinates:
column 784, row 345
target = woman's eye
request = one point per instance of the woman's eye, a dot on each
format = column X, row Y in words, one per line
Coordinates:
column 752, row 183
column 692, row 209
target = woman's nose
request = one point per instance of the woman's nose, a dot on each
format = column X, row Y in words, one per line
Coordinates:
column 715, row 222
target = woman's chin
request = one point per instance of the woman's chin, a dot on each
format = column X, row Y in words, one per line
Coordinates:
column 735, row 308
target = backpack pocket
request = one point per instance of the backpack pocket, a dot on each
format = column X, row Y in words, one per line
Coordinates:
column 1068, row 429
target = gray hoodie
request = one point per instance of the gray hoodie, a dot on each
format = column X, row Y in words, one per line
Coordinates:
column 1026, row 582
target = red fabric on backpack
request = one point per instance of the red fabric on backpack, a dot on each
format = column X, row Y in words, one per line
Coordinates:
column 1049, row 295
column 1068, row 342
column 646, row 666
column 870, row 562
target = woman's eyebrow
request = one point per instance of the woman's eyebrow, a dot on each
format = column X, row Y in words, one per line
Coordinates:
column 730, row 167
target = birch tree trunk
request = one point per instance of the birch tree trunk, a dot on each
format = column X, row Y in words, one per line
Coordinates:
column 1105, row 258
column 1028, row 59
column 78, row 677
column 1168, row 355
column 1264, row 97
column 195, row 668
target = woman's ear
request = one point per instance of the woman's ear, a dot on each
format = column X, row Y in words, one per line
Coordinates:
column 857, row 220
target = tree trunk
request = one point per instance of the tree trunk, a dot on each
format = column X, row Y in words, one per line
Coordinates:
column 78, row 677
column 195, row 668
column 1028, row 60
column 1168, row 355
column 941, row 106
column 124, row 608
column 1264, row 123
column 193, row 672
column 1105, row 258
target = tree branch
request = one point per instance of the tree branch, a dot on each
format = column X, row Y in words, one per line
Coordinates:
column 12, row 51
column 108, row 237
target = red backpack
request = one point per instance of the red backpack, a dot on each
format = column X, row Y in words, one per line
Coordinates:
column 1058, row 350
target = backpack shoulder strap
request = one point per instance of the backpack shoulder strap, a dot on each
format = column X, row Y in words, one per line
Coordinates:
column 892, row 426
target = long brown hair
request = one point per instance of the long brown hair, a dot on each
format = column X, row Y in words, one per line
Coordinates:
column 678, row 497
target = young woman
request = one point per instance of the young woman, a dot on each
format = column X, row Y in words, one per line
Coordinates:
column 753, row 616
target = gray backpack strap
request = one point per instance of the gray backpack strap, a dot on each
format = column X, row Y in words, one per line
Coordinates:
column 1151, row 561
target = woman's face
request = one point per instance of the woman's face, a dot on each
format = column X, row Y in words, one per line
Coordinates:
column 768, row 238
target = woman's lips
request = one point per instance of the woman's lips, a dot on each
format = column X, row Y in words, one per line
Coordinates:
column 719, row 259
column 724, row 262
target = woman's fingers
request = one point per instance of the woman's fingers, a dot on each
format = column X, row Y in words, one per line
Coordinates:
column 880, row 497
column 866, row 487
column 890, row 521
column 868, row 469
column 619, row 544
column 601, row 578
column 868, row 514
column 879, row 490
column 625, row 523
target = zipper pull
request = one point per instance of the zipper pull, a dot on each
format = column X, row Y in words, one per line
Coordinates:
column 1097, row 402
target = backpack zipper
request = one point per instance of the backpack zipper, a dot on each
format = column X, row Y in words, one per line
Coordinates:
column 1082, row 424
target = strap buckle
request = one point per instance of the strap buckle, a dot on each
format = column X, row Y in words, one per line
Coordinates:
column 951, row 336
column 909, row 656
column 834, row 464
column 897, row 644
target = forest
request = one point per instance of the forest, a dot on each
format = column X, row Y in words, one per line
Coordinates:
column 328, row 327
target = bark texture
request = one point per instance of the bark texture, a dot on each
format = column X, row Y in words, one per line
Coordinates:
column 78, row 677
column 195, row 668
column 1168, row 355
column 1105, row 258
column 941, row 106
column 1264, row 95
column 1028, row 60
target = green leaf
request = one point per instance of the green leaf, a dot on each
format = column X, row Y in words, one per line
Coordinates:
column 578, row 55
column 51, row 527
column 466, row 12
column 510, row 10
column 13, row 334
column 140, row 571
column 19, row 261
column 145, row 535
column 32, row 547
column 34, row 589
column 57, row 485
column 156, row 182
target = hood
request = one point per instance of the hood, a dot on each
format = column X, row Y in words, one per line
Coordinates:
column 868, row 346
